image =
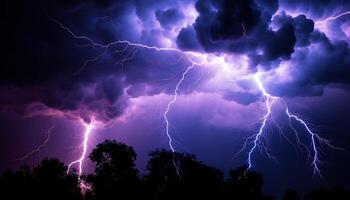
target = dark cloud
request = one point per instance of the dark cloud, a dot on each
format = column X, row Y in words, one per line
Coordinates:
column 330, row 63
column 314, row 67
column 233, row 19
column 187, row 39
column 42, row 63
column 268, row 7
column 241, row 27
column 169, row 17
column 244, row 27
column 280, row 43
column 145, row 9
column 244, row 98
column 303, row 26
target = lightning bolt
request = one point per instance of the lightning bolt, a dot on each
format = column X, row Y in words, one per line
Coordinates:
column 194, row 63
column 313, row 135
column 88, row 129
column 42, row 145
column 332, row 18
column 269, row 100
column 166, row 113
column 127, row 44
column 315, row 138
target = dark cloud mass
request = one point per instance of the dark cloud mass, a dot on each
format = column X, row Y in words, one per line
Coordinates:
column 187, row 39
column 41, row 60
column 303, row 26
column 169, row 17
column 241, row 27
column 231, row 17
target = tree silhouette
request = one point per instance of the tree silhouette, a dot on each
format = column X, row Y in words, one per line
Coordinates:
column 48, row 180
column 116, row 176
column 171, row 176
column 244, row 184
column 52, row 181
column 17, row 185
column 195, row 180
column 290, row 194
column 269, row 197
column 337, row 193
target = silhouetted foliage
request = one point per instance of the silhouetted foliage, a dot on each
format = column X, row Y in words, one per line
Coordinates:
column 193, row 179
column 244, row 184
column 269, row 197
column 290, row 194
column 48, row 180
column 169, row 176
column 337, row 193
column 116, row 176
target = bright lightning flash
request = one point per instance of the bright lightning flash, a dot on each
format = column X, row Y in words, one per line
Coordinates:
column 315, row 138
column 269, row 100
column 88, row 129
column 166, row 113
column 332, row 18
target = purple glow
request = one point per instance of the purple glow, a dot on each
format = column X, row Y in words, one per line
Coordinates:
column 192, row 76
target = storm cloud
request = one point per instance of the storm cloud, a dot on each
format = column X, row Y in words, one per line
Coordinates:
column 44, row 64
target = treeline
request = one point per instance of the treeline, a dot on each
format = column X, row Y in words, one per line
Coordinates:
column 116, row 177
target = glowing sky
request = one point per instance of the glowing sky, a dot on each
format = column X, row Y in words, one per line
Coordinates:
column 111, row 69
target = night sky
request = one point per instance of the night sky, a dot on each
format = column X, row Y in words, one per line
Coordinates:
column 217, row 70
